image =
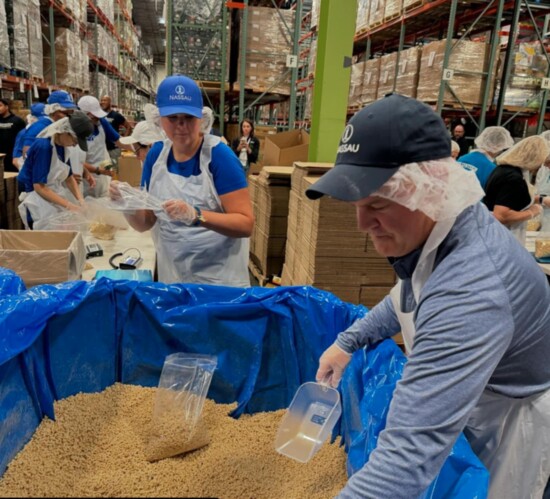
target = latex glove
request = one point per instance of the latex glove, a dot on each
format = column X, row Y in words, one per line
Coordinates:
column 73, row 207
column 180, row 211
column 332, row 364
column 114, row 192
column 535, row 209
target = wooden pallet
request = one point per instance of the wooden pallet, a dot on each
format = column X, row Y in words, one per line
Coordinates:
column 257, row 273
column 413, row 5
column 520, row 109
column 453, row 104
column 362, row 31
column 392, row 17
column 212, row 85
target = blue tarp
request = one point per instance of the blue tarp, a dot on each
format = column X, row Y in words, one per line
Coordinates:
column 56, row 341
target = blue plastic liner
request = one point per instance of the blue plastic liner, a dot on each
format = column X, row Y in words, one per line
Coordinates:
column 56, row 341
column 10, row 283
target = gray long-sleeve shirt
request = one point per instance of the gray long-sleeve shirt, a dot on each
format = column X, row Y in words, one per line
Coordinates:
column 482, row 322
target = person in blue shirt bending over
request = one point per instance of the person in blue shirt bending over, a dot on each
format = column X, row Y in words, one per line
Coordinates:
column 472, row 304
column 49, row 184
column 489, row 144
column 202, row 232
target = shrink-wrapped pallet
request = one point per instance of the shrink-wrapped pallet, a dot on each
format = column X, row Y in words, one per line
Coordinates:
column 35, row 39
column 21, row 55
column 386, row 78
column 267, row 44
column 466, row 57
column 371, row 75
column 4, row 38
column 407, row 73
column 356, row 84
column 393, row 9
column 376, row 12
column 362, row 22
column 315, row 10
column 67, row 49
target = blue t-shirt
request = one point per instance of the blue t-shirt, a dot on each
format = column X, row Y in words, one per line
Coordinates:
column 35, row 129
column 481, row 165
column 37, row 165
column 227, row 172
column 111, row 135
column 18, row 146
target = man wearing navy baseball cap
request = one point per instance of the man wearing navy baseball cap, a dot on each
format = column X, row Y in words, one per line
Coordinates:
column 477, row 341
column 201, row 236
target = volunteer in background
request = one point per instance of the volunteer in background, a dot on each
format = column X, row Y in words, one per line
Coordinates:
column 97, row 158
column 507, row 193
column 202, row 234
column 542, row 184
column 37, row 112
column 10, row 126
column 247, row 147
column 120, row 125
column 472, row 304
column 47, row 176
column 144, row 135
column 489, row 144
column 207, row 124
column 59, row 105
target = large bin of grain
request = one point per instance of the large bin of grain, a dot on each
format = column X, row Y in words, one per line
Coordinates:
column 60, row 340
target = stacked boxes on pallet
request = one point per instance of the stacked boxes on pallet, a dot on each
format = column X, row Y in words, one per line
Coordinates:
column 370, row 81
column 356, row 84
column 392, row 10
column 466, row 58
column 268, row 42
column 270, row 194
column 386, row 78
column 376, row 12
column 407, row 73
column 200, row 56
column 326, row 250
column 18, row 26
column 35, row 39
column 362, row 16
column 68, row 47
column 4, row 37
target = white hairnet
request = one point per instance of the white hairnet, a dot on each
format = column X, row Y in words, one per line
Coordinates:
column 546, row 135
column 152, row 114
column 30, row 119
column 60, row 126
column 455, row 146
column 439, row 188
column 207, row 120
column 494, row 139
column 527, row 154
column 52, row 108
column 145, row 133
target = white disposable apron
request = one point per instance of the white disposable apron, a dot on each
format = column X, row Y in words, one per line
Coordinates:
column 40, row 209
column 98, row 153
column 510, row 436
column 195, row 254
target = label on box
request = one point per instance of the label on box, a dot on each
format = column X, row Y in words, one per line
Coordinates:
column 291, row 61
column 404, row 66
column 545, row 83
column 21, row 86
column 431, row 59
column 255, row 39
column 35, row 91
column 385, row 76
column 368, row 77
column 447, row 74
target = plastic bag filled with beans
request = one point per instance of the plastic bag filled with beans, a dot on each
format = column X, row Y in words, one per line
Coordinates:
column 176, row 425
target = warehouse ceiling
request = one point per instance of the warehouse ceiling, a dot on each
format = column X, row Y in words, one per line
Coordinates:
column 148, row 14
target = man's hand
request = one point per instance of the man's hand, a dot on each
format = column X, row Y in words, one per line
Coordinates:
column 331, row 365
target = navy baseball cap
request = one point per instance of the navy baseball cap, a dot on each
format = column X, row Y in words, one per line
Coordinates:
column 179, row 94
column 380, row 138
column 37, row 109
column 64, row 99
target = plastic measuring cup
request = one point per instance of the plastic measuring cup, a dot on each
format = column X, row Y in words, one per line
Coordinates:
column 309, row 421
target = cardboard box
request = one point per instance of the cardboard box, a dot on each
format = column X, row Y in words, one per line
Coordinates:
column 129, row 170
column 283, row 149
column 43, row 257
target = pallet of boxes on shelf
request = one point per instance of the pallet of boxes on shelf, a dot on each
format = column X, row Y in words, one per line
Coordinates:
column 392, row 9
column 377, row 9
column 4, row 38
column 34, row 33
column 356, row 86
column 267, row 44
column 68, row 56
column 16, row 11
column 371, row 77
column 407, row 72
column 326, row 250
column 200, row 55
column 386, row 77
column 466, row 59
column 269, row 192
column 523, row 87
column 363, row 10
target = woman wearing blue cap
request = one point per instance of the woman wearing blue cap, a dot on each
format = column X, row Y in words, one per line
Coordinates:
column 201, row 236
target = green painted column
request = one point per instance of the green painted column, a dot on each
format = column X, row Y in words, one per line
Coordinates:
column 335, row 30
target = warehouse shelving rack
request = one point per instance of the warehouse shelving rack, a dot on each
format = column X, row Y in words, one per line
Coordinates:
column 451, row 18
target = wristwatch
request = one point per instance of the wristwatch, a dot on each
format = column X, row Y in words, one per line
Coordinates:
column 199, row 218
column 541, row 198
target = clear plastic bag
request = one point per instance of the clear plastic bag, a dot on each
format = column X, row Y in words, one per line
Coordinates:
column 104, row 222
column 176, row 425
column 65, row 220
column 132, row 199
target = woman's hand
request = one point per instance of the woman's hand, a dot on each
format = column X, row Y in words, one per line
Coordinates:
column 180, row 211
column 114, row 192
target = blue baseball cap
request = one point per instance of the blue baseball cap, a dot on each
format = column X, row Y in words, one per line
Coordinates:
column 179, row 94
column 64, row 99
column 383, row 136
column 38, row 109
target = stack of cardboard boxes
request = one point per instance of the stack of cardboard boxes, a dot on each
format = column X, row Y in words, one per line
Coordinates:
column 325, row 249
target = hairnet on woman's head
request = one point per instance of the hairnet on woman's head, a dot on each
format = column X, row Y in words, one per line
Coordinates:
column 440, row 188
column 207, row 120
column 454, row 146
column 546, row 135
column 494, row 139
column 60, row 126
column 528, row 154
